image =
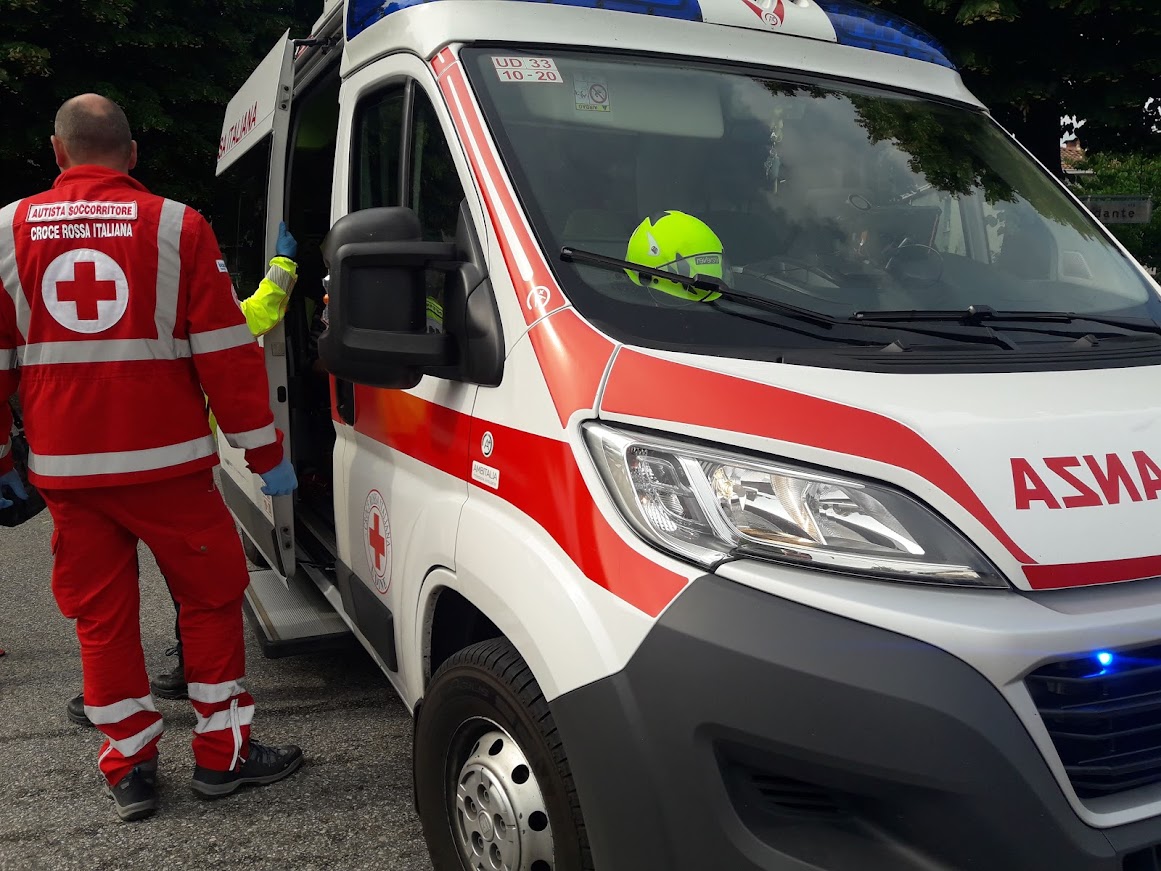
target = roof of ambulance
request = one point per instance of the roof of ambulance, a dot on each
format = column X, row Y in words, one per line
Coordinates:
column 427, row 27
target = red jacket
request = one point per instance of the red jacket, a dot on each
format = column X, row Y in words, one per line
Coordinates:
column 116, row 314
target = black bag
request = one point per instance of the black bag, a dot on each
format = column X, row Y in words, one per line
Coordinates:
column 21, row 511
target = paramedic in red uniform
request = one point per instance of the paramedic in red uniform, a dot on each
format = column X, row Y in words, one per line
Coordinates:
column 116, row 316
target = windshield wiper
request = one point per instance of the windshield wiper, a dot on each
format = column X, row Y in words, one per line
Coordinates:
column 698, row 282
column 977, row 315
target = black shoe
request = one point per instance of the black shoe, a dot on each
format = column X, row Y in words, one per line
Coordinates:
column 263, row 766
column 135, row 795
column 171, row 684
column 76, row 711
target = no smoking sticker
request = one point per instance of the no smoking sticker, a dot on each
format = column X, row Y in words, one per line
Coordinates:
column 592, row 95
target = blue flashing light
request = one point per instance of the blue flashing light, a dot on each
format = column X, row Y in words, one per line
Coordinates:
column 361, row 14
column 1104, row 658
column 864, row 27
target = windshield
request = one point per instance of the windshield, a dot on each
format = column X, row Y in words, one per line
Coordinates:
column 835, row 199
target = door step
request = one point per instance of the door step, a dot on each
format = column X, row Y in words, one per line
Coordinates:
column 292, row 618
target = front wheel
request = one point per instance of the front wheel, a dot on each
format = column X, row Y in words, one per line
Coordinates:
column 492, row 783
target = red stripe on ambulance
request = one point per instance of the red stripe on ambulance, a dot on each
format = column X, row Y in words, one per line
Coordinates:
column 537, row 475
column 534, row 283
column 758, row 409
column 574, row 358
column 542, row 478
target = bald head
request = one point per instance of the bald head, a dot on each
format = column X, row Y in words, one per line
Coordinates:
column 91, row 129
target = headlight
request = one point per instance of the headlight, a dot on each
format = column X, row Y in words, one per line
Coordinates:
column 708, row 506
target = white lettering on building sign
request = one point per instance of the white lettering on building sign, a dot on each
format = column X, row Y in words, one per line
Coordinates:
column 1121, row 209
column 238, row 131
column 84, row 210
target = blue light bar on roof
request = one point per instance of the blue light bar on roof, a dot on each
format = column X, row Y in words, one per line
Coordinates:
column 361, row 14
column 865, row 27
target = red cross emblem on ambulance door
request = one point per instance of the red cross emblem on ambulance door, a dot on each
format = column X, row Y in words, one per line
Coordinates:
column 378, row 542
column 377, row 539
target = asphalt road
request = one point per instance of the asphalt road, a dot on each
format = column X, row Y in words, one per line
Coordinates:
column 350, row 807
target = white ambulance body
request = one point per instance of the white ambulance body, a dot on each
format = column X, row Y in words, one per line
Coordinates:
column 830, row 544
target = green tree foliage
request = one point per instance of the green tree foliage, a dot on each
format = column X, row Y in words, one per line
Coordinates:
column 1134, row 174
column 1032, row 61
column 171, row 64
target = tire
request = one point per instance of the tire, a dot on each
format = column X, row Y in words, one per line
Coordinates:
column 487, row 691
column 252, row 553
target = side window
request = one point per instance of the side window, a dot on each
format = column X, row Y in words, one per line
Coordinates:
column 378, row 138
column 434, row 194
column 238, row 218
column 434, row 187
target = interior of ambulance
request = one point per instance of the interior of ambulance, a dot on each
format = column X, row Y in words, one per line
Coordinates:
column 400, row 157
column 310, row 171
column 239, row 218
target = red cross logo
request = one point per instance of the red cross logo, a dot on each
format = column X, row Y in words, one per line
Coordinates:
column 378, row 541
column 85, row 291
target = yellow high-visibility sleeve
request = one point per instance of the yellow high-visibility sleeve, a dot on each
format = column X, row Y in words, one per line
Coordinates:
column 265, row 309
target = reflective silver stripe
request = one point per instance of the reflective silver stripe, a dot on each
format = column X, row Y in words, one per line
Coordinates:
column 281, row 277
column 168, row 269
column 107, row 715
column 7, row 359
column 223, row 720
column 134, row 744
column 9, row 275
column 214, row 693
column 121, row 462
column 256, row 438
column 102, row 351
column 221, row 340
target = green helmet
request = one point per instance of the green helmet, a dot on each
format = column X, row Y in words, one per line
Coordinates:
column 679, row 243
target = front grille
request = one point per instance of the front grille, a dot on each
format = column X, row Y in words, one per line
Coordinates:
column 1105, row 719
column 760, row 791
column 794, row 796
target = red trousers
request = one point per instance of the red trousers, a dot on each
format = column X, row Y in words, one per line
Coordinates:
column 186, row 525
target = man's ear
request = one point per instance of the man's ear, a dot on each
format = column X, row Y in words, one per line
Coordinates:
column 133, row 155
column 63, row 161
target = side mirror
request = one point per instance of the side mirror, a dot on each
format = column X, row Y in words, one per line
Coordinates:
column 378, row 299
column 381, row 275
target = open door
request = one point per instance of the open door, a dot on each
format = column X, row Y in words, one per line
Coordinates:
column 249, row 206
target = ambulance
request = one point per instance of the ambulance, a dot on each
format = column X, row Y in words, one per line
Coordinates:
column 734, row 448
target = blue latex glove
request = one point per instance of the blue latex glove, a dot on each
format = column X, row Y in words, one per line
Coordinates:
column 281, row 480
column 287, row 245
column 12, row 481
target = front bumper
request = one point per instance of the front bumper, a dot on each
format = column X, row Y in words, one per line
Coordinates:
column 751, row 732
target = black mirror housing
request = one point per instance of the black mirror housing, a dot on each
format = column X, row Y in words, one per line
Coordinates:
column 378, row 302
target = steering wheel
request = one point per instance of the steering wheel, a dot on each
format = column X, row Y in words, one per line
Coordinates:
column 762, row 272
column 915, row 262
